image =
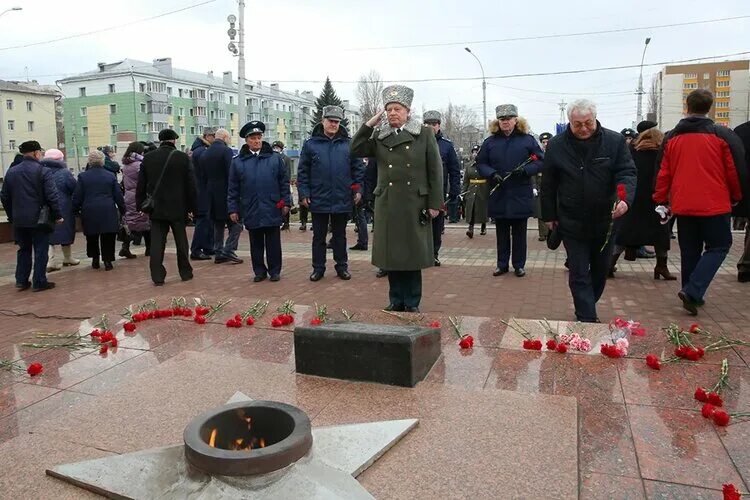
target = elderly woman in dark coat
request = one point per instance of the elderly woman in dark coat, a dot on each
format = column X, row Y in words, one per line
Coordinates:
column 98, row 198
column 408, row 195
column 641, row 225
column 65, row 234
column 137, row 222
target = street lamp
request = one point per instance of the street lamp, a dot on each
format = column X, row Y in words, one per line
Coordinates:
column 639, row 111
column 484, row 87
column 12, row 8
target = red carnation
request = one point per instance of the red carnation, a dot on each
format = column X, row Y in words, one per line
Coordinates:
column 621, row 192
column 533, row 157
column 316, row 321
column 96, row 333
column 551, row 344
column 715, row 399
column 280, row 204
column 532, row 345
column 355, row 187
column 201, row 320
column 466, row 342
column 435, row 324
column 113, row 342
column 34, row 369
column 730, row 492
column 276, row 322
column 708, row 410
column 201, row 310
column 287, row 319
column 701, row 352
column 700, row 395
column 250, row 321
column 129, row 326
column 695, row 328
column 721, row 418
column 638, row 331
column 103, row 349
column 562, row 348
column 653, row 362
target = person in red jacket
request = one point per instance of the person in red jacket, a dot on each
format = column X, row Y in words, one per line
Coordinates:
column 699, row 179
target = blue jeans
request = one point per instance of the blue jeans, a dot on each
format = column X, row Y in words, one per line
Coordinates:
column 28, row 239
column 698, row 266
column 588, row 265
column 203, row 236
column 221, row 248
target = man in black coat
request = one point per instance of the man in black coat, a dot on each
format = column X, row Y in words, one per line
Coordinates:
column 743, row 208
column 175, row 201
column 582, row 168
column 278, row 147
column 215, row 163
column 202, row 246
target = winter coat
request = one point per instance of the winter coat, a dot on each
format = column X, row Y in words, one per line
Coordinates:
column 65, row 233
column 579, row 182
column 451, row 169
column 111, row 165
column 501, row 154
column 256, row 185
column 98, row 199
column 134, row 219
column 640, row 225
column 743, row 208
column 199, row 147
column 215, row 162
column 328, row 173
column 371, row 179
column 176, row 196
column 477, row 195
column 26, row 187
column 700, row 169
column 410, row 181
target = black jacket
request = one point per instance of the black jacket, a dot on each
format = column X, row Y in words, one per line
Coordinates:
column 743, row 208
column 176, row 196
column 214, row 163
column 579, row 189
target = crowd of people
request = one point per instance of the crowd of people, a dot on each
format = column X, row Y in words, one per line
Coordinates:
column 599, row 193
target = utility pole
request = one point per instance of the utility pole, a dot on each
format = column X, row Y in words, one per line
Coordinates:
column 562, row 104
column 239, row 51
column 484, row 90
column 639, row 111
column 135, row 113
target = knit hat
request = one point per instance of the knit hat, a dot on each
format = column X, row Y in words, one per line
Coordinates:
column 53, row 154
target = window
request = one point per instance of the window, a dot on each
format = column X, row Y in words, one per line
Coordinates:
column 212, row 114
column 144, row 127
column 159, row 87
column 181, row 112
column 9, row 104
column 192, row 130
column 11, row 125
column 12, row 144
column 141, row 87
column 277, row 106
column 143, row 107
column 29, row 106
column 81, row 91
column 723, row 72
column 179, row 92
column 222, row 114
column 200, row 94
column 182, row 130
column 231, row 116
column 210, row 96
column 689, row 76
column 690, row 85
column 30, row 126
column 722, row 114
column 722, row 93
column 84, row 111
column 111, row 88
column 114, row 129
column 231, row 99
column 169, row 90
column 706, row 76
column 724, row 83
column 85, row 151
column 200, row 111
column 723, row 104
column 112, row 109
column 192, row 112
column 160, row 107
column 169, row 109
column 200, row 129
column 84, row 131
column 157, row 126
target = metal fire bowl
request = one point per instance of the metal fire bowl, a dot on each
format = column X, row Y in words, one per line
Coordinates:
column 281, row 418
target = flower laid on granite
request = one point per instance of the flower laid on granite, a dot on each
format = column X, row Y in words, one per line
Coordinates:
column 575, row 340
column 464, row 341
column 286, row 316
column 200, row 319
column 618, row 349
column 320, row 315
column 129, row 327
column 730, row 492
column 434, row 324
column 205, row 311
column 529, row 343
column 632, row 327
column 234, row 322
column 713, row 395
column 409, row 320
column 33, row 369
column 73, row 341
column 249, row 316
column 349, row 316
column 653, row 362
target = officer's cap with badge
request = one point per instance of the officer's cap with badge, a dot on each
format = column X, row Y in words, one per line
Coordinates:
column 432, row 116
column 475, row 148
column 333, row 113
column 629, row 132
column 252, row 128
column 545, row 136
column 399, row 94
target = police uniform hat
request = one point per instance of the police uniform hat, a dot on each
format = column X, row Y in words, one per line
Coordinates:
column 545, row 136
column 476, row 147
column 29, row 147
column 628, row 132
column 432, row 116
column 168, row 135
column 278, row 144
column 253, row 127
column 399, row 94
column 333, row 113
column 645, row 125
column 506, row 110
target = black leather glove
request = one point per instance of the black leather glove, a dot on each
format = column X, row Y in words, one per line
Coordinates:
column 498, row 178
column 519, row 174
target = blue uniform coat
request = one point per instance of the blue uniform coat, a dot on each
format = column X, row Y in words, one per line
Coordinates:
column 501, row 154
column 201, row 183
column 98, row 198
column 327, row 172
column 215, row 162
column 451, row 168
column 256, row 184
column 26, row 187
column 65, row 233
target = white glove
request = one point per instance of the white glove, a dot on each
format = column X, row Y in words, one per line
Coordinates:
column 664, row 213
column 536, row 192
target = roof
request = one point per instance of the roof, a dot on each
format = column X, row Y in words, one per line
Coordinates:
column 26, row 89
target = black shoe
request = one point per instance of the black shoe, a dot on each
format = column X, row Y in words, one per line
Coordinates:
column 158, row 283
column 499, row 271
column 95, row 263
column 275, row 277
column 220, row 260
column 285, row 227
column 303, row 227
column 47, row 286
column 470, row 233
column 689, row 304
column 23, row 286
column 108, row 266
column 234, row 259
column 186, row 278
column 520, row 272
column 210, row 253
column 260, row 278
column 743, row 277
column 483, row 232
column 316, row 276
column 147, row 253
column 542, row 238
column 358, row 247
column 344, row 275
column 125, row 252
column 394, row 308
column 437, row 262
column 411, row 309
column 200, row 256
column 381, row 273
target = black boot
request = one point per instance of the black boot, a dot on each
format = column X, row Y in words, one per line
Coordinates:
column 470, row 232
column 613, row 265
column 125, row 251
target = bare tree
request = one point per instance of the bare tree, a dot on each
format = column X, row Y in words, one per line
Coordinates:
column 461, row 125
column 652, row 104
column 370, row 94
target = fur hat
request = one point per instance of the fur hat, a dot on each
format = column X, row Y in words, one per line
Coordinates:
column 333, row 112
column 506, row 110
column 522, row 126
column 432, row 116
column 399, row 94
column 29, row 147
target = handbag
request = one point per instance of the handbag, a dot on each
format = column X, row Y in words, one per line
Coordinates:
column 45, row 222
column 149, row 205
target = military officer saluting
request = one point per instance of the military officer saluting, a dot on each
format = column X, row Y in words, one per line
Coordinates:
column 408, row 195
column 451, row 177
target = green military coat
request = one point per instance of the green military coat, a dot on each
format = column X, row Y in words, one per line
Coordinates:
column 410, row 179
column 476, row 195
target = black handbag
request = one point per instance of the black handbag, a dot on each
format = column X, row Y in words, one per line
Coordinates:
column 45, row 222
column 149, row 205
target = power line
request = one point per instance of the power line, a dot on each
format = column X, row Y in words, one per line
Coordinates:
column 546, row 37
column 131, row 23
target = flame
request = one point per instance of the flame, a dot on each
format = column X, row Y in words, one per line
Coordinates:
column 212, row 439
column 262, row 443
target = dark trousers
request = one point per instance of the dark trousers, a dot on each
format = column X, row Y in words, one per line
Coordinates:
column 588, row 265
column 743, row 265
column 511, row 239
column 101, row 245
column 338, row 241
column 29, row 239
column 203, row 236
column 265, row 251
column 360, row 219
column 405, row 288
column 452, row 206
column 698, row 266
column 303, row 211
column 159, row 231
column 438, row 223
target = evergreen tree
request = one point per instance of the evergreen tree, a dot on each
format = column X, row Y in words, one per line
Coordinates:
column 327, row 98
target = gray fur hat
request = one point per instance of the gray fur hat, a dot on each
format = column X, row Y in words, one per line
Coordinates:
column 432, row 116
column 399, row 94
column 333, row 112
column 506, row 110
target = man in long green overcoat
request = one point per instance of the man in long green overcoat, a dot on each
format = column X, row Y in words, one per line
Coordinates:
column 476, row 196
column 408, row 195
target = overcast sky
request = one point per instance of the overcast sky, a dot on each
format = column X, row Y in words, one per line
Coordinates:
column 307, row 40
